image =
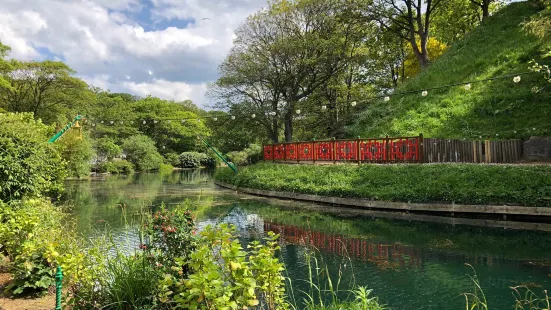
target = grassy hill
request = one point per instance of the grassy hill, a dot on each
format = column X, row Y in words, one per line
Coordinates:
column 501, row 107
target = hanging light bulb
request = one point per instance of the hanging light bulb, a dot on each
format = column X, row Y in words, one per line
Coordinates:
column 273, row 113
column 183, row 121
column 215, row 119
column 233, row 117
column 253, row 116
column 353, row 103
column 122, row 122
column 101, row 122
column 468, row 86
column 387, row 98
column 155, row 121
column 94, row 125
column 516, row 79
column 324, row 107
column 111, row 122
column 144, row 122
column 424, row 93
column 298, row 111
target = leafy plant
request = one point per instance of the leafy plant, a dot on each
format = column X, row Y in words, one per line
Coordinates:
column 196, row 159
column 141, row 151
column 77, row 153
column 107, row 149
column 30, row 166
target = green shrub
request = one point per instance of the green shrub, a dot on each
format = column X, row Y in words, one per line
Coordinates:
column 208, row 161
column 107, row 149
column 77, row 153
column 30, row 166
column 248, row 156
column 35, row 238
column 116, row 167
column 172, row 159
column 190, row 160
column 459, row 183
column 141, row 151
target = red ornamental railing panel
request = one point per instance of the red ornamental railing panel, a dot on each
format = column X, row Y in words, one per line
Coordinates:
column 290, row 152
column 346, row 150
column 324, row 150
column 372, row 150
column 268, row 152
column 305, row 151
column 404, row 149
column 279, row 151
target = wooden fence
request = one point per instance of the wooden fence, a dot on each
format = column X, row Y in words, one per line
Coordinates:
column 397, row 149
column 454, row 150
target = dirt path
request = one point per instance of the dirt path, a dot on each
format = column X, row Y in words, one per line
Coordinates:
column 38, row 303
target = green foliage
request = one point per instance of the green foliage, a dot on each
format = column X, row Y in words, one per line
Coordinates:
column 172, row 159
column 77, row 152
column 190, row 160
column 141, row 151
column 35, row 239
column 499, row 47
column 248, row 156
column 106, row 148
column 170, row 235
column 223, row 276
column 195, row 160
column 116, row 167
column 30, row 166
column 459, row 183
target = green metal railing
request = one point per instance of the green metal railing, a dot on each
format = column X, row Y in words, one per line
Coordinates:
column 230, row 164
column 64, row 130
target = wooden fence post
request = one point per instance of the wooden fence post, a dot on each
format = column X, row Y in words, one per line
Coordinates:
column 314, row 151
column 387, row 149
column 334, row 153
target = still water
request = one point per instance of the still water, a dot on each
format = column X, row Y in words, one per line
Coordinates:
column 409, row 264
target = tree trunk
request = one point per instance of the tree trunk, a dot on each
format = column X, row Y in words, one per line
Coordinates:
column 274, row 132
column 289, row 126
column 485, row 10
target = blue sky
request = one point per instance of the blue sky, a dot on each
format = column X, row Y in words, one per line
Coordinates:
column 165, row 48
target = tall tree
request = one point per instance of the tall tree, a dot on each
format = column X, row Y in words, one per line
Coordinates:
column 409, row 19
column 48, row 89
column 284, row 54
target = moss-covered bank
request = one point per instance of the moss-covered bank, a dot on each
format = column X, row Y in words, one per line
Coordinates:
column 458, row 183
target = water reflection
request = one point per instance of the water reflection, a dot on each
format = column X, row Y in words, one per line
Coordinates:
column 409, row 264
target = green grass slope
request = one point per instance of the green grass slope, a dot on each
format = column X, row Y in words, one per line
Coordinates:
column 501, row 107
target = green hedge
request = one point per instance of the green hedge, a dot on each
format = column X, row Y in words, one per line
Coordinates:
column 459, row 183
column 116, row 167
column 195, row 160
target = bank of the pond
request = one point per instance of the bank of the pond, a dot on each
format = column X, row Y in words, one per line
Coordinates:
column 502, row 189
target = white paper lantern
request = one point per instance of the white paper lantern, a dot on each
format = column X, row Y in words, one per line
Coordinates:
column 183, row 121
column 215, row 119
column 155, row 121
column 111, row 122
column 387, row 98
column 468, row 87
column 424, row 93
column 353, row 103
column 298, row 111
column 253, row 116
column 516, row 79
column 324, row 107
column 101, row 122
column 273, row 113
column 94, row 125
column 144, row 122
column 233, row 117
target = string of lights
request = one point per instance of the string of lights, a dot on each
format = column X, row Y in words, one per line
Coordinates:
column 467, row 85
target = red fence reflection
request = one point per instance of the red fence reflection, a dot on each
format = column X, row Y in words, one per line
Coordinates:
column 401, row 149
column 385, row 256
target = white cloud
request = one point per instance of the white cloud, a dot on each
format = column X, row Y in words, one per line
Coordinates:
column 105, row 42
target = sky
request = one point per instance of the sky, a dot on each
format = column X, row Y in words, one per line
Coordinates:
column 165, row 48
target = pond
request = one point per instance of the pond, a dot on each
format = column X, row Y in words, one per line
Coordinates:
column 409, row 264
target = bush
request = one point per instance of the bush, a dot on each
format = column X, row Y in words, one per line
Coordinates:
column 30, row 165
column 35, row 239
column 107, row 149
column 116, row 167
column 77, row 153
column 459, row 183
column 172, row 159
column 190, row 160
column 141, row 151
column 248, row 156
column 208, row 161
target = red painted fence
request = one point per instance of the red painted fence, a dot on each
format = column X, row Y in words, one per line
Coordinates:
column 400, row 149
